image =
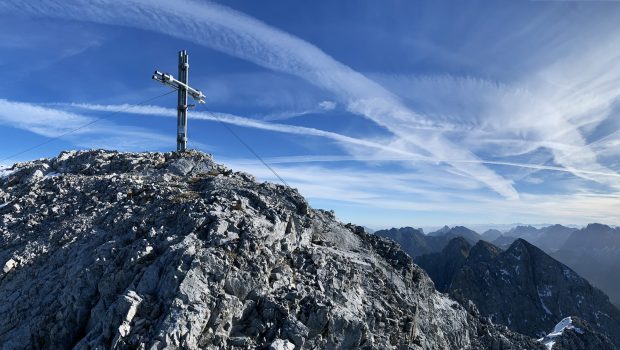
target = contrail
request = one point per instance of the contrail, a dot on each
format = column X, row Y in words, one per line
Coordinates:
column 239, row 35
column 301, row 130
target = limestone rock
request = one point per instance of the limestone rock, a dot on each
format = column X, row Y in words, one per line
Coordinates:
column 153, row 251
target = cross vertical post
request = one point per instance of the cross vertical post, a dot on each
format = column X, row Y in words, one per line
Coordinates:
column 182, row 105
column 183, row 89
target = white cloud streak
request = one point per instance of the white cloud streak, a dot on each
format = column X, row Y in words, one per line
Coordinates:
column 50, row 122
column 248, row 123
column 239, row 35
column 403, row 156
column 518, row 119
column 408, row 193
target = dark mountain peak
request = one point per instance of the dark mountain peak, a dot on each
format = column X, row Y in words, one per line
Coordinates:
column 457, row 246
column 522, row 248
column 596, row 227
column 484, row 251
column 504, row 241
column 520, row 243
column 462, row 229
column 442, row 231
column 491, row 235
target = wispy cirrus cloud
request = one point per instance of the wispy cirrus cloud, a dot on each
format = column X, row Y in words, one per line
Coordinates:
column 350, row 185
column 516, row 120
column 239, row 35
column 74, row 127
column 249, row 123
column 321, row 107
column 394, row 153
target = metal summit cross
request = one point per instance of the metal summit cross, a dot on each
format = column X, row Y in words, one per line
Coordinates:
column 183, row 89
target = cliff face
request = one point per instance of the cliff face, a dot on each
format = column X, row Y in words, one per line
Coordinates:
column 151, row 251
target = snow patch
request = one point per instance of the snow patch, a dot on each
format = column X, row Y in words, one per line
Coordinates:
column 546, row 292
column 558, row 330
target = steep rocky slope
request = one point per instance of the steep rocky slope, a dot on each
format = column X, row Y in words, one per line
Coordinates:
column 522, row 287
column 151, row 251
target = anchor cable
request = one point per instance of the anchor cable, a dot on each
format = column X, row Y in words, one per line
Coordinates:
column 247, row 146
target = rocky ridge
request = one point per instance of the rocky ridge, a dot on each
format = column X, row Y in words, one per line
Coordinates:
column 170, row 250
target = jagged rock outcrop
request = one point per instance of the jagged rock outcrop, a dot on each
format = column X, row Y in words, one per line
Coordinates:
column 166, row 250
column 522, row 287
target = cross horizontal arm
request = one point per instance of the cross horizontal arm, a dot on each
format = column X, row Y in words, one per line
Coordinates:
column 168, row 79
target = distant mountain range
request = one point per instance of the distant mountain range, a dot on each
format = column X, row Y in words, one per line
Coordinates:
column 549, row 238
column 523, row 279
column 416, row 243
column 593, row 251
column 521, row 287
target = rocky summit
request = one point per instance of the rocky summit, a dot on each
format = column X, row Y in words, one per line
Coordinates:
column 115, row 250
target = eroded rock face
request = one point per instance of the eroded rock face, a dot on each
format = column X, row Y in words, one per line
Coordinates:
column 172, row 251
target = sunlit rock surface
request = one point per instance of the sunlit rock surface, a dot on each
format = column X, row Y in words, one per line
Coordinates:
column 115, row 250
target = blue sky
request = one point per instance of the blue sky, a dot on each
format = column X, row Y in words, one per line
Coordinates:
column 391, row 113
